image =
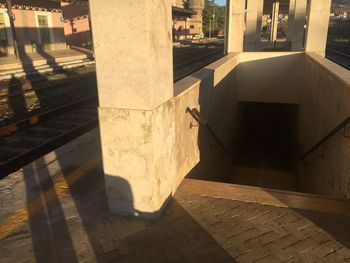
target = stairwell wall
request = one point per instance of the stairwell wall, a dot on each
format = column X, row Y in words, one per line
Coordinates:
column 324, row 105
column 213, row 91
column 272, row 77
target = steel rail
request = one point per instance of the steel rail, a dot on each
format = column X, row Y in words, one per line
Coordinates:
column 45, row 116
column 33, row 154
column 59, row 83
column 204, row 63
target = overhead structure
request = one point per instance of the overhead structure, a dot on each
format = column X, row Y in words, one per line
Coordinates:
column 179, row 12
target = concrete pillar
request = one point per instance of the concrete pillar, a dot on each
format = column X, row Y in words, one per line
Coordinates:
column 317, row 28
column 296, row 24
column 133, row 50
column 253, row 25
column 235, row 11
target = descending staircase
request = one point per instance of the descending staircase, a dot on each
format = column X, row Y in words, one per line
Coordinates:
column 266, row 146
column 266, row 135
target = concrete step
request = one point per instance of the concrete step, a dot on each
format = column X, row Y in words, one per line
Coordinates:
column 21, row 72
column 268, row 178
column 37, row 62
column 265, row 196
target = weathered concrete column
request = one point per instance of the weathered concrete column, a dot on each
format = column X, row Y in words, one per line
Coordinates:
column 253, row 25
column 234, row 26
column 296, row 24
column 317, row 28
column 133, row 49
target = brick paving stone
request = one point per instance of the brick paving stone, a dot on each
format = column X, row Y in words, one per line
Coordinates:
column 343, row 253
column 253, row 256
column 276, row 228
column 324, row 249
column 267, row 237
column 234, row 251
column 302, row 245
column 334, row 258
column 268, row 259
column 193, row 229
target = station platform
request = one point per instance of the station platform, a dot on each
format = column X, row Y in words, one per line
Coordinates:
column 55, row 210
column 43, row 61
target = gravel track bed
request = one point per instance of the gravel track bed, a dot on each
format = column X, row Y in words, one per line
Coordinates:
column 19, row 108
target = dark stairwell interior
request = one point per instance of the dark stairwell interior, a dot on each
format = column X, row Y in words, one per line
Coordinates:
column 266, row 146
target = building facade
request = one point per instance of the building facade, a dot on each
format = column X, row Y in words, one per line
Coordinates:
column 187, row 19
column 37, row 26
column 77, row 24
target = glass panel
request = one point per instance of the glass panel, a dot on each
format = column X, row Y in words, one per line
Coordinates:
column 274, row 24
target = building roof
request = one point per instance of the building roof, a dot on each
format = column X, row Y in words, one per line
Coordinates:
column 182, row 12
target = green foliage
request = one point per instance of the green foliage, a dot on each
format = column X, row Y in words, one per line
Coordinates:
column 218, row 23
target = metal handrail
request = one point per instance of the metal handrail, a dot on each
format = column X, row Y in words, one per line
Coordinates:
column 202, row 121
column 342, row 125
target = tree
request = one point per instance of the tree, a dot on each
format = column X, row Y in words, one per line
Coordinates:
column 218, row 23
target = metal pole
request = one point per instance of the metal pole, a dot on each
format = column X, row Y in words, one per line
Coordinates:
column 91, row 33
column 13, row 30
column 209, row 28
column 214, row 18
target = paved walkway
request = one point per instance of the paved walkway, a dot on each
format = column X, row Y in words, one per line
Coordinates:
column 47, row 215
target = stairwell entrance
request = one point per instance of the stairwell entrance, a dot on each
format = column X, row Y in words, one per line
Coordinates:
column 266, row 145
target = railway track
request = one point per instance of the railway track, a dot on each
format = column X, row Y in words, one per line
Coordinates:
column 23, row 142
column 6, row 96
column 189, row 60
column 18, row 104
column 339, row 53
column 67, row 109
column 24, row 139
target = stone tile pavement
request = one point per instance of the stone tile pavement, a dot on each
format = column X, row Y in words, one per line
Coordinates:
column 42, row 221
column 192, row 229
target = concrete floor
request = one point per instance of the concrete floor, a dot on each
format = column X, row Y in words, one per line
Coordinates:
column 54, row 210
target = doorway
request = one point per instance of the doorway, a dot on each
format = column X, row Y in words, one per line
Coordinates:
column 44, row 32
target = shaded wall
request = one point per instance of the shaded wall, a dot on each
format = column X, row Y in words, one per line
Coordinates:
column 273, row 77
column 213, row 92
column 324, row 105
